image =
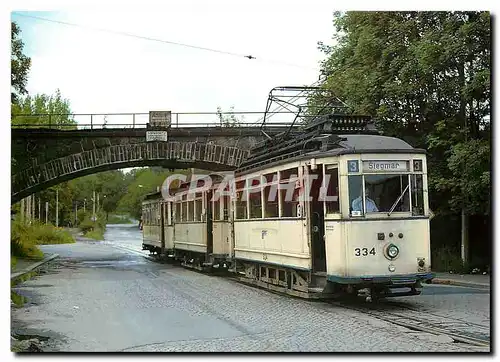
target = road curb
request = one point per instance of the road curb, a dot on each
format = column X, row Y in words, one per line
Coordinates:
column 32, row 267
column 460, row 283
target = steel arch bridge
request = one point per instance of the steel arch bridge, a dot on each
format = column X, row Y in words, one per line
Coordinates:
column 167, row 154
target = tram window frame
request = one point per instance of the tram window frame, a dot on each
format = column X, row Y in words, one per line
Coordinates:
column 178, row 211
column 384, row 207
column 190, row 210
column 184, row 209
column 331, row 207
column 417, row 203
column 254, row 202
column 216, row 206
column 271, row 182
column 226, row 202
column 241, row 209
column 198, row 208
column 285, row 177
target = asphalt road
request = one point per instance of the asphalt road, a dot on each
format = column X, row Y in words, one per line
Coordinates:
column 104, row 296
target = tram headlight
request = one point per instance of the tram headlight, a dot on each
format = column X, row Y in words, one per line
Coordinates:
column 392, row 251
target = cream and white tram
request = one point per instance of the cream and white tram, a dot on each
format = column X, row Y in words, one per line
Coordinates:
column 364, row 227
column 317, row 216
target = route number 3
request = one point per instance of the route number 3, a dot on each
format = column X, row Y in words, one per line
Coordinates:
column 364, row 252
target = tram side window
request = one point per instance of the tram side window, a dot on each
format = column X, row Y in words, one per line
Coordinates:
column 190, row 210
column 289, row 192
column 289, row 202
column 241, row 201
column 178, row 212
column 184, row 211
column 271, row 201
column 383, row 191
column 197, row 210
column 356, row 194
column 332, row 190
column 216, row 209
column 417, row 197
column 225, row 207
column 255, row 200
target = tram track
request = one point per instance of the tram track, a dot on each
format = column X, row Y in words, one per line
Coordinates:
column 458, row 330
column 400, row 314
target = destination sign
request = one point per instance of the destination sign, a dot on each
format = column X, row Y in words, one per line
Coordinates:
column 385, row 166
column 156, row 136
column 160, row 118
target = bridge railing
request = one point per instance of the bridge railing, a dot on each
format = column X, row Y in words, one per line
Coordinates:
column 93, row 121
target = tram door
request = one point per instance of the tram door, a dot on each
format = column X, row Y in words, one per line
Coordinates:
column 317, row 221
column 209, row 218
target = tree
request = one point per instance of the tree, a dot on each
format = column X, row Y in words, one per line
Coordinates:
column 44, row 110
column 425, row 76
column 142, row 182
column 20, row 65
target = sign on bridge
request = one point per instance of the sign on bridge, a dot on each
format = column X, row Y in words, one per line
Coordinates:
column 156, row 136
column 160, row 118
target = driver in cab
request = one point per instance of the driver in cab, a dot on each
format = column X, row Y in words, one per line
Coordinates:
column 357, row 204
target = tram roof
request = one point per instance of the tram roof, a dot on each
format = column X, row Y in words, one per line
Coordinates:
column 374, row 142
column 350, row 144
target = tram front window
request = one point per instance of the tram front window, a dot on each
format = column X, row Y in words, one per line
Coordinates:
column 387, row 191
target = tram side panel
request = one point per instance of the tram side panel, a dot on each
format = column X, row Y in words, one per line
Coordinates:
column 191, row 236
column 279, row 242
column 335, row 248
column 222, row 238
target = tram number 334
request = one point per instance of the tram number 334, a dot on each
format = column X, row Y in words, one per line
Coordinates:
column 364, row 251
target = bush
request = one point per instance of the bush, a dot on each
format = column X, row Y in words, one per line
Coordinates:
column 96, row 234
column 48, row 234
column 22, row 244
column 87, row 225
column 25, row 238
column 447, row 259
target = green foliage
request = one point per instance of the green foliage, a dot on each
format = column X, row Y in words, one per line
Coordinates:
column 20, row 65
column 13, row 262
column 17, row 299
column 447, row 259
column 141, row 182
column 22, row 244
column 87, row 225
column 96, row 234
column 425, row 77
column 119, row 219
column 43, row 110
column 25, row 238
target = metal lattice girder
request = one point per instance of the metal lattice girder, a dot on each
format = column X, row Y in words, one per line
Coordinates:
column 33, row 179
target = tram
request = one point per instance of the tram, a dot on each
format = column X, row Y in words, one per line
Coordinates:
column 337, row 210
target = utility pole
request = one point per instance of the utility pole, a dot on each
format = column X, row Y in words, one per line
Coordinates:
column 22, row 210
column 97, row 202
column 46, row 212
column 57, row 207
column 39, row 210
column 93, row 206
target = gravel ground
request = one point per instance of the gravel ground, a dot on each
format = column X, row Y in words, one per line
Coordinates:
column 102, row 298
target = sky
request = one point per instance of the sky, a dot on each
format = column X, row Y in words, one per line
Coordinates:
column 103, row 72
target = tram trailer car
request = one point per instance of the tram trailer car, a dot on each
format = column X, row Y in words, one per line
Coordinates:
column 157, row 226
column 371, row 235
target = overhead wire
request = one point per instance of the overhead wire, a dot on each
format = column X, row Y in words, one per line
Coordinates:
column 142, row 37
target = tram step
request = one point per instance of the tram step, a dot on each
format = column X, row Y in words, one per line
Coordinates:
column 318, row 280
